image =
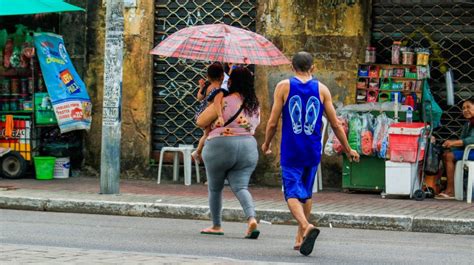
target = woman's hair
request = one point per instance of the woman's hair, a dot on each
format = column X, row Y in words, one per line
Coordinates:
column 241, row 81
column 470, row 100
column 215, row 71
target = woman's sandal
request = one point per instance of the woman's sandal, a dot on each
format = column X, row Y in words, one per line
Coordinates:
column 252, row 232
column 210, row 231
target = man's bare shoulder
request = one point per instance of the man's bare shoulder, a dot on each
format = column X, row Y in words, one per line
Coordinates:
column 324, row 93
column 284, row 83
column 283, row 86
column 323, row 87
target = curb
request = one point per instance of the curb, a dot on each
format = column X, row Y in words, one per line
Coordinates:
column 332, row 219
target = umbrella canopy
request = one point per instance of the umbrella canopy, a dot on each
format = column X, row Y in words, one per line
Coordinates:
column 222, row 43
column 26, row 7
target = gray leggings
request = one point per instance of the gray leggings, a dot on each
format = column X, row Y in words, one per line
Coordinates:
column 233, row 158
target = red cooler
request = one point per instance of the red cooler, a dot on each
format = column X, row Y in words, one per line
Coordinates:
column 403, row 141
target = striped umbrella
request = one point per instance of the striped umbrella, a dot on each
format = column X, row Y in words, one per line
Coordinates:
column 221, row 43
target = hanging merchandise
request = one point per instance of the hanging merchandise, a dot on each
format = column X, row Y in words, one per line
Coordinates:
column 337, row 146
column 329, row 147
column 68, row 93
column 7, row 53
column 431, row 110
column 3, row 37
column 448, row 76
column 367, row 135
column 384, row 151
column 355, row 130
column 379, row 130
column 333, row 145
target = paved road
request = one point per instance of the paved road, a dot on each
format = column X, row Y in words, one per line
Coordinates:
column 48, row 237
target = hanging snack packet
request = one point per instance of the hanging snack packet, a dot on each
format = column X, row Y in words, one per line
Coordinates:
column 337, row 146
column 328, row 148
column 367, row 135
column 379, row 132
column 384, row 146
column 355, row 130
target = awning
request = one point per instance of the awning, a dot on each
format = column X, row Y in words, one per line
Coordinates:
column 26, row 7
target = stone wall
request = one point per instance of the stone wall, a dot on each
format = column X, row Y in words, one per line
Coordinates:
column 136, row 87
column 336, row 34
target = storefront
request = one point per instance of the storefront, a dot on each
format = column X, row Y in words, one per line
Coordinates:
column 407, row 62
column 29, row 103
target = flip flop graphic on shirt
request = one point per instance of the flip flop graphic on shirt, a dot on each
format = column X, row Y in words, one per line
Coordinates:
column 295, row 108
column 312, row 113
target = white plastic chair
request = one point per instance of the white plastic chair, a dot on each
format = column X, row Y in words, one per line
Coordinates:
column 186, row 150
column 459, row 176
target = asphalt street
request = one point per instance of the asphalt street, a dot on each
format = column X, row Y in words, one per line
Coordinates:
column 23, row 230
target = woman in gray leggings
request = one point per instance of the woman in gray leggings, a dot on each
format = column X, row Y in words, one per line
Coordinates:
column 230, row 151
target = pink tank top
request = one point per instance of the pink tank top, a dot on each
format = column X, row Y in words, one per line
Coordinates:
column 243, row 125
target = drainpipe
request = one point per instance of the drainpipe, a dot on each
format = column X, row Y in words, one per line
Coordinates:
column 112, row 98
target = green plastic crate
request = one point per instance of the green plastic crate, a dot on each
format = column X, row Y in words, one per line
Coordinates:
column 44, row 112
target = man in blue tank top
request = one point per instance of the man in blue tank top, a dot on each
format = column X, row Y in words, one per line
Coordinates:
column 301, row 101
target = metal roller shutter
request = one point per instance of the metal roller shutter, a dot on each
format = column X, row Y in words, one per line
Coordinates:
column 443, row 26
column 175, row 81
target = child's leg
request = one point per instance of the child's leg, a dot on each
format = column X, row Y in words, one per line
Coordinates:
column 201, row 144
column 197, row 154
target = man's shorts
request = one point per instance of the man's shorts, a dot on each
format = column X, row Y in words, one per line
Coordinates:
column 298, row 182
column 458, row 153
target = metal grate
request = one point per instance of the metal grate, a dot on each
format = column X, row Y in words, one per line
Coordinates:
column 175, row 80
column 446, row 28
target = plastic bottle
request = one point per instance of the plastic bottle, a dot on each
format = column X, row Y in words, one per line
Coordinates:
column 409, row 115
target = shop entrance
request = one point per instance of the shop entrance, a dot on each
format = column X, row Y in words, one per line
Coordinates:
column 175, row 81
column 28, row 126
column 445, row 27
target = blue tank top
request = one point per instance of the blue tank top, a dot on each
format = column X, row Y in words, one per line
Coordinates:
column 302, row 121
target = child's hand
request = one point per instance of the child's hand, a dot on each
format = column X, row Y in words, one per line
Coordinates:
column 231, row 67
column 220, row 122
column 202, row 82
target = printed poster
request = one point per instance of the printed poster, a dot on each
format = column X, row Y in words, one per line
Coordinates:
column 71, row 103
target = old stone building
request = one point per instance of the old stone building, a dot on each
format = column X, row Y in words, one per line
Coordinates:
column 158, row 93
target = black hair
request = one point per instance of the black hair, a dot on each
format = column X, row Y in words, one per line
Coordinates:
column 302, row 61
column 215, row 71
column 241, row 81
column 470, row 100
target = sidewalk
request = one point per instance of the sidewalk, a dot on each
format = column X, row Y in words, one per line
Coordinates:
column 146, row 198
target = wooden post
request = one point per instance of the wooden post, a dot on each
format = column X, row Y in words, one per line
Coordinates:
column 112, row 100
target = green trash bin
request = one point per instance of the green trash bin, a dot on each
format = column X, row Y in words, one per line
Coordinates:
column 44, row 167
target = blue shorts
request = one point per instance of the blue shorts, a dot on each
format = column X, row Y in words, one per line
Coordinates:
column 458, row 153
column 298, row 182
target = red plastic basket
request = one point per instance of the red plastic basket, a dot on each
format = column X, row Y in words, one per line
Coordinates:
column 403, row 141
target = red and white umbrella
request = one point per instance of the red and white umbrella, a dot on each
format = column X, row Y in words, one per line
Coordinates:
column 221, row 43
